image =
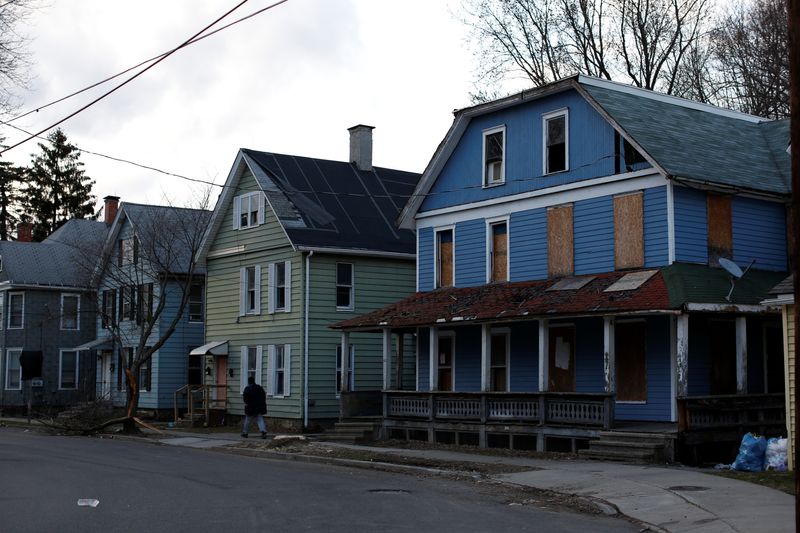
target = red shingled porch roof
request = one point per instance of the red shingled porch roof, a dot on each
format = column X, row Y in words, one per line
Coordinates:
column 513, row 301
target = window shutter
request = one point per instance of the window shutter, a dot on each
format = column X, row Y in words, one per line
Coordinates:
column 243, row 368
column 258, row 290
column 270, row 369
column 261, row 199
column 287, row 366
column 237, row 211
column 271, row 288
column 113, row 318
column 242, row 291
column 259, row 362
column 288, row 307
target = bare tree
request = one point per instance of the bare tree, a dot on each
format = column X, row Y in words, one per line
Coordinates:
column 14, row 60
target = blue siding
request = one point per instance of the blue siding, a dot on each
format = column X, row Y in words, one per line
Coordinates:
column 656, row 234
column 589, row 373
column 425, row 259
column 468, row 359
column 528, row 245
column 470, row 253
column 593, row 223
column 691, row 225
column 423, row 359
column 591, row 151
column 524, row 357
column 759, row 232
column 659, row 378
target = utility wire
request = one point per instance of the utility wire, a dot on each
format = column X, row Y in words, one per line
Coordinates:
column 146, row 61
column 117, row 87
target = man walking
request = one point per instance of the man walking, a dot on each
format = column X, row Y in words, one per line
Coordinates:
column 255, row 405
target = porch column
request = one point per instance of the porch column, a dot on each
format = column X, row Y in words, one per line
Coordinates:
column 741, row 355
column 345, row 383
column 609, row 354
column 544, row 355
column 398, row 377
column 682, row 354
column 486, row 357
column 433, row 371
column 387, row 358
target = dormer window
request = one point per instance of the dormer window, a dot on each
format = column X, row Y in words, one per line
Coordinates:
column 494, row 152
column 248, row 210
column 556, row 141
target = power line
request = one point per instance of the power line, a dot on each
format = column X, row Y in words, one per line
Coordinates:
column 117, row 87
column 146, row 61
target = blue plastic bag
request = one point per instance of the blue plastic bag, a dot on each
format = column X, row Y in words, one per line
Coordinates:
column 751, row 454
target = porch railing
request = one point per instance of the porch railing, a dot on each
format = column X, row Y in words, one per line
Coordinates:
column 731, row 411
column 557, row 408
column 199, row 400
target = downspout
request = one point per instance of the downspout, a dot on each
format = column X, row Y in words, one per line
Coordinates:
column 305, row 340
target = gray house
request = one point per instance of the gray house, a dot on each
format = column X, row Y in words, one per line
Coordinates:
column 47, row 309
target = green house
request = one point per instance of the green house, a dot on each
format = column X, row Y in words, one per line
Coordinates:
column 296, row 244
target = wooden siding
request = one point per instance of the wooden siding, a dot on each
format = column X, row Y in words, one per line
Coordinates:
column 528, row 245
column 470, row 253
column 790, row 358
column 691, row 225
column 591, row 152
column 656, row 232
column 560, row 241
column 425, row 259
column 628, row 231
column 594, row 236
column 759, row 232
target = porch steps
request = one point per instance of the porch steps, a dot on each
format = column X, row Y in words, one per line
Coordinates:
column 631, row 447
column 353, row 430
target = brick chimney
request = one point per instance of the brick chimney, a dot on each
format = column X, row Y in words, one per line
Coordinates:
column 361, row 146
column 110, row 209
column 25, row 232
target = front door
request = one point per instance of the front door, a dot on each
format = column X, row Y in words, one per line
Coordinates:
column 221, row 389
column 631, row 351
column 106, row 357
column 722, row 348
column 445, row 362
column 562, row 359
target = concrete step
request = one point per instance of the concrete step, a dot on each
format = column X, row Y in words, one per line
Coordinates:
column 609, row 443
column 636, row 456
column 634, row 437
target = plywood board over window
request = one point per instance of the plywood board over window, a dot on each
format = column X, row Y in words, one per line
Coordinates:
column 720, row 230
column 499, row 252
column 628, row 231
column 559, row 241
column 631, row 353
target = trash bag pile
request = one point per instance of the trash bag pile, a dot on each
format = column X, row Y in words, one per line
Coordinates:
column 756, row 454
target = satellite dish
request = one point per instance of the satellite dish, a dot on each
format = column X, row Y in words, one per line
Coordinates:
column 731, row 267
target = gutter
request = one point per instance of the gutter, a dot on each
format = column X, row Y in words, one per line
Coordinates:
column 358, row 252
column 305, row 339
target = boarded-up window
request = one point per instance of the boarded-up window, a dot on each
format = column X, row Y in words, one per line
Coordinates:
column 628, row 231
column 631, row 361
column 720, row 232
column 499, row 252
column 444, row 258
column 559, row 241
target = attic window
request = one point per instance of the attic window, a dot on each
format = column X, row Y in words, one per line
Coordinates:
column 556, row 141
column 632, row 155
column 494, row 148
column 248, row 210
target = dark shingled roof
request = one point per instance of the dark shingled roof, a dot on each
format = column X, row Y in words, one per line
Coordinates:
column 332, row 204
column 784, row 287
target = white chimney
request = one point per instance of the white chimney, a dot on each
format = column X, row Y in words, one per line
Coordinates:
column 361, row 146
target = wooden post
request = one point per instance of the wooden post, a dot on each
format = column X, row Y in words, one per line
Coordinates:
column 398, row 377
column 433, row 371
column 741, row 355
column 609, row 355
column 345, row 383
column 682, row 354
column 387, row 358
column 544, row 355
column 486, row 357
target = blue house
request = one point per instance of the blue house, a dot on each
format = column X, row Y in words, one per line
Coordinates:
column 593, row 257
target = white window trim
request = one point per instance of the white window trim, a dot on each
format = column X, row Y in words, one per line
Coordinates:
column 244, row 289
column 77, row 312
column 352, row 304
column 272, row 371
column 61, row 368
column 490, row 245
column 436, row 272
column 2, row 310
column 244, row 368
column 237, row 210
column 451, row 334
column 21, row 326
column 507, row 333
column 548, row 116
column 5, row 364
column 338, row 370
column 202, row 304
column 287, row 287
column 484, row 176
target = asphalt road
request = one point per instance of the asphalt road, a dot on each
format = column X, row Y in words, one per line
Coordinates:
column 143, row 487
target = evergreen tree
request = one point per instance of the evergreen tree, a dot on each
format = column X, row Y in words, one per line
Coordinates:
column 11, row 177
column 58, row 187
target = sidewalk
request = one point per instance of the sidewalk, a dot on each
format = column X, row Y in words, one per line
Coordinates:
column 673, row 499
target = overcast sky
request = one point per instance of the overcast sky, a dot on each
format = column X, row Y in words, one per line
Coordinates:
column 291, row 80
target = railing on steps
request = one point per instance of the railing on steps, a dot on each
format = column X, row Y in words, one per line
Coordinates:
column 200, row 399
column 730, row 411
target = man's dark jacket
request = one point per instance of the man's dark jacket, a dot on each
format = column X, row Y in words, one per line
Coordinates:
column 255, row 400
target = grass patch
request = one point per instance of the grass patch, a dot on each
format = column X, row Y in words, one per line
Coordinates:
column 782, row 481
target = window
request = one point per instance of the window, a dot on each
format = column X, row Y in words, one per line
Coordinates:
column 144, row 310
column 146, row 374
column 126, row 360
column 16, row 310
column 109, row 309
column 279, row 365
column 70, row 311
column 350, row 373
column 68, row 370
column 1, row 263
column 196, row 302
column 127, row 303
column 445, row 362
column 444, row 258
column 194, row 368
column 128, row 251
column 628, row 231
column 560, row 260
column 251, row 357
column 498, row 251
column 250, row 290
column 13, row 369
column 494, row 148
column 498, row 377
column 632, row 155
column 248, row 210
column 720, row 228
column 556, row 141
column 280, row 287
column 2, row 308
column 344, row 286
